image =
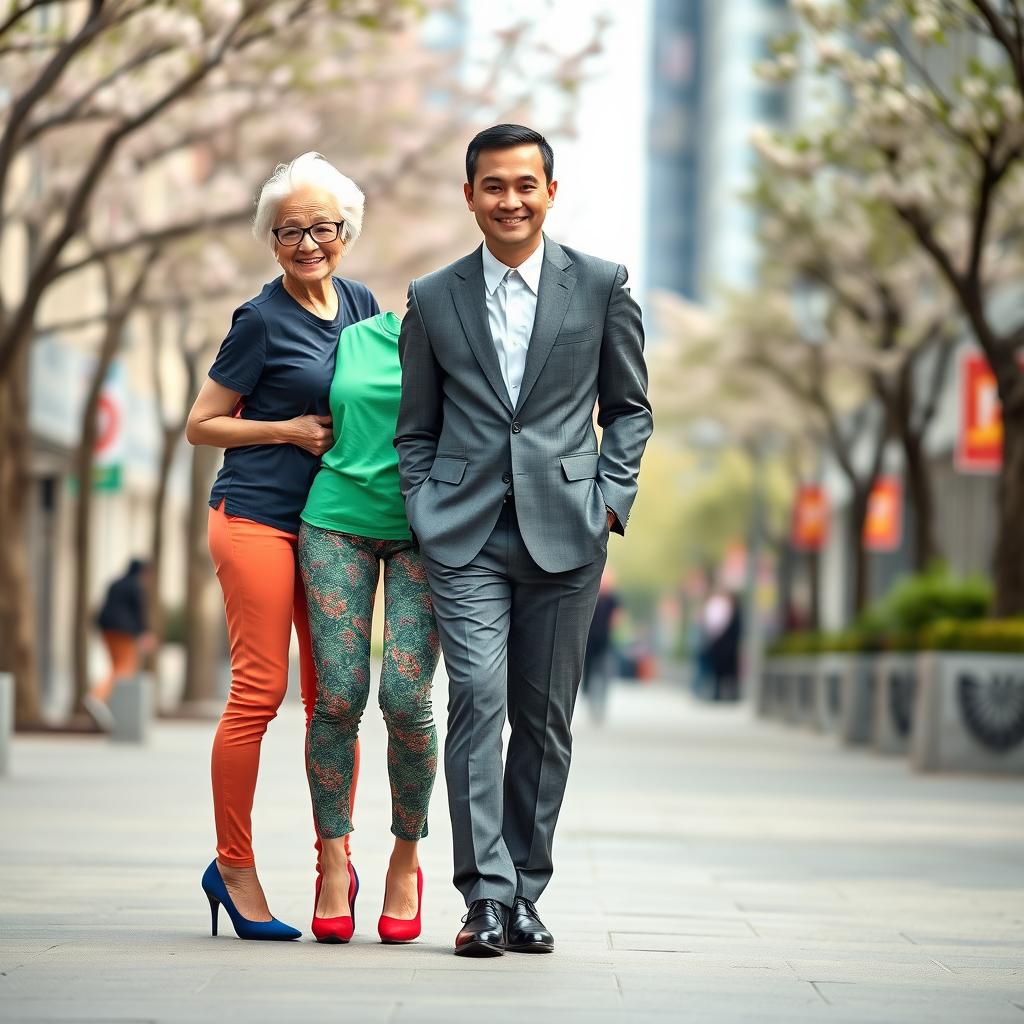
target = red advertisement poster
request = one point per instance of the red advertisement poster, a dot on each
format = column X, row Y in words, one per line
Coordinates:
column 810, row 518
column 883, row 528
column 979, row 447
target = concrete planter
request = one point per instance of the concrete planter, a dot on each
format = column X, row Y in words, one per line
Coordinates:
column 831, row 670
column 803, row 701
column 857, row 700
column 771, row 697
column 969, row 713
column 6, row 720
column 787, row 689
column 895, row 688
column 132, row 706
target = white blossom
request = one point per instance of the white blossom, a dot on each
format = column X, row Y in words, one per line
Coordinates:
column 788, row 64
column 890, row 63
column 990, row 121
column 874, row 30
column 895, row 103
column 281, row 76
column 974, row 88
column 829, row 51
column 222, row 13
column 965, row 120
column 1011, row 102
column 926, row 27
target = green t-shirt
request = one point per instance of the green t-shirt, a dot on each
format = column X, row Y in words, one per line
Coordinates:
column 356, row 490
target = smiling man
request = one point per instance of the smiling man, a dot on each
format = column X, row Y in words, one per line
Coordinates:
column 505, row 354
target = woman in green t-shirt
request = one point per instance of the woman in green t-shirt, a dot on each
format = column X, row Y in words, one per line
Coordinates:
column 353, row 523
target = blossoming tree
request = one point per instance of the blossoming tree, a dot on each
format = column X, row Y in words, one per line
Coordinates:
column 931, row 124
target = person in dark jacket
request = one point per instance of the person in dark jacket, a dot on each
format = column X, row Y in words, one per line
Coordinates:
column 597, row 667
column 723, row 654
column 123, row 623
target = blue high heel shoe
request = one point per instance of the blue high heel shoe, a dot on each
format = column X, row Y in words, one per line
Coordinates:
column 217, row 893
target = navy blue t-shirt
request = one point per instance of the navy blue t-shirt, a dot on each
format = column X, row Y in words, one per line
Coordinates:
column 280, row 358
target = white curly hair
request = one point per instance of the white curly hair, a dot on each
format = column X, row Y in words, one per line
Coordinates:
column 309, row 170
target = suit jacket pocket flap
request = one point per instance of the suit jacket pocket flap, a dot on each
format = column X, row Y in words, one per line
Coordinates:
column 450, row 471
column 580, row 467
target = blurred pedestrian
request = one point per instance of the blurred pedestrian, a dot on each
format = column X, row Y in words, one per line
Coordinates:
column 505, row 354
column 123, row 624
column 354, row 524
column 722, row 646
column 266, row 404
column 598, row 661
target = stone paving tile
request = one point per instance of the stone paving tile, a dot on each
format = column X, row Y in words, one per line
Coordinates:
column 709, row 869
column 922, row 1002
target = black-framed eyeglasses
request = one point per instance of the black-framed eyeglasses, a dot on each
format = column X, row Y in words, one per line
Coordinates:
column 325, row 231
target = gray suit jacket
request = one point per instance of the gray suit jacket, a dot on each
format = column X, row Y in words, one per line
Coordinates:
column 461, row 444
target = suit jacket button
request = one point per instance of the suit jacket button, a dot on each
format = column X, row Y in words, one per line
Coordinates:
column 506, row 478
column 516, row 427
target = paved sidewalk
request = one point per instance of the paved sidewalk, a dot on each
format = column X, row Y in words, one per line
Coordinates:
column 709, row 869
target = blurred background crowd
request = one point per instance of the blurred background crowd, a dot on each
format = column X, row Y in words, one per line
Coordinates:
column 820, row 205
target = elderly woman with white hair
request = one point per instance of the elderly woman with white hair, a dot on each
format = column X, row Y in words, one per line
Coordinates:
column 266, row 404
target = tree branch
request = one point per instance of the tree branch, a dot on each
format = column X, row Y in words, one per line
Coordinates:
column 73, row 109
column 19, row 13
column 1002, row 35
column 18, row 330
column 46, row 80
column 944, row 339
column 157, row 236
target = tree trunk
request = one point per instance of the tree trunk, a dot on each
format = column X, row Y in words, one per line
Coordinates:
column 202, row 649
column 85, row 458
column 171, row 436
column 1008, row 557
column 17, row 597
column 855, row 544
column 924, row 544
column 784, row 559
column 814, row 590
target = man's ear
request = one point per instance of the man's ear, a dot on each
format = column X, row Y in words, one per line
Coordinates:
column 467, row 191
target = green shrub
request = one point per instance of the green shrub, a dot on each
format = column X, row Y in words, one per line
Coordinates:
column 917, row 601
column 898, row 622
column 848, row 641
column 997, row 636
column 796, row 643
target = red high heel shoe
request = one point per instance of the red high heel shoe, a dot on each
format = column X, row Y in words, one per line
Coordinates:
column 337, row 929
column 393, row 930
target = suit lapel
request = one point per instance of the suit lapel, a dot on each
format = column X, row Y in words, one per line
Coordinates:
column 467, row 288
column 557, row 281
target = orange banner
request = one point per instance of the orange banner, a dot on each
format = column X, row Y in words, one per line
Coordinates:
column 883, row 527
column 810, row 518
column 979, row 447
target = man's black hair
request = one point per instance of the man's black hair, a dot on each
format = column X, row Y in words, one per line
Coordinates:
column 504, row 136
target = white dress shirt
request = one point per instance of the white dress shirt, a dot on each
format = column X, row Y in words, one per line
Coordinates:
column 511, row 296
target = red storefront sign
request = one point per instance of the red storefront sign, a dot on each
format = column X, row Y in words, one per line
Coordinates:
column 810, row 518
column 979, row 447
column 883, row 527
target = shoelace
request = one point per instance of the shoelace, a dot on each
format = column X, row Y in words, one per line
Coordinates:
column 493, row 905
column 530, row 906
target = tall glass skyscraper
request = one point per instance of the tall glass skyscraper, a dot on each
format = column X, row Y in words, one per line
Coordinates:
column 675, row 133
column 705, row 101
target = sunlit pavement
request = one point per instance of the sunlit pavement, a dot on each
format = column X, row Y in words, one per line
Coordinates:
column 709, row 868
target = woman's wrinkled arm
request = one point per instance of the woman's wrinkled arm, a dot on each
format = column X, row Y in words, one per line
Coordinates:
column 212, row 422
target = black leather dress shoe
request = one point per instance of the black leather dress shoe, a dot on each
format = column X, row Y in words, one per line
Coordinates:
column 484, row 931
column 526, row 931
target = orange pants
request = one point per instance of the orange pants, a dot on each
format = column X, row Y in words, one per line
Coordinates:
column 123, row 649
column 263, row 596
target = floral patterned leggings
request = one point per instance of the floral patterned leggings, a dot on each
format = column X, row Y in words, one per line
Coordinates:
column 340, row 573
